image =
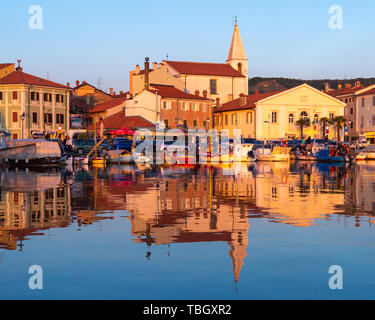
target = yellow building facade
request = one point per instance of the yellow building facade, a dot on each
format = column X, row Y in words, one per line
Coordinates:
column 274, row 115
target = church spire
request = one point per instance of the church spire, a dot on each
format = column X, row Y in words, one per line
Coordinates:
column 237, row 50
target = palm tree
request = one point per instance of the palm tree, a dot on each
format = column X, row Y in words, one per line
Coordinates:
column 302, row 122
column 339, row 121
column 324, row 121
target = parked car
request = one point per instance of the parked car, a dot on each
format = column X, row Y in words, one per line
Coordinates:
column 85, row 146
column 122, row 144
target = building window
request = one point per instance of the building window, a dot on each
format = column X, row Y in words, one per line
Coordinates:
column 59, row 98
column 331, row 116
column 185, row 123
column 239, row 67
column 166, row 123
column 1, row 96
column 48, row 118
column 234, row 118
column 274, row 117
column 35, row 96
column 373, row 120
column 182, row 105
column 194, row 123
column 291, row 118
column 47, row 97
column 249, row 117
column 316, row 119
column 362, row 122
column 204, row 123
column 60, row 118
column 15, row 136
column 351, row 110
column 15, row 95
column 35, row 118
column 213, row 86
column 363, row 102
column 304, row 115
column 164, row 104
column 351, row 124
column 15, row 117
column 226, row 119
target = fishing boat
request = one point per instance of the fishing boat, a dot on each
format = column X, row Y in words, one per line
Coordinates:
column 277, row 154
column 325, row 156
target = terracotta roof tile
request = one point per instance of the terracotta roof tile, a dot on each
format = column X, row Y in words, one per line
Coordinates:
column 251, row 99
column 107, row 105
column 166, row 91
column 4, row 65
column 118, row 121
column 344, row 91
column 19, row 77
column 371, row 91
column 201, row 68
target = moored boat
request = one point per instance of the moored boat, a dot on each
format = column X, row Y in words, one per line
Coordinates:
column 29, row 152
column 277, row 154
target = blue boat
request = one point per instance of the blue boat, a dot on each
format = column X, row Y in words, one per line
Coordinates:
column 324, row 155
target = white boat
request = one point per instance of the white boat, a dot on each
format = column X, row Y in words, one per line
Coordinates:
column 369, row 151
column 277, row 154
column 120, row 156
column 30, row 152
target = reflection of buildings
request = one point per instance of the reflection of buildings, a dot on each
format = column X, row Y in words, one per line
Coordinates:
column 24, row 214
column 184, row 210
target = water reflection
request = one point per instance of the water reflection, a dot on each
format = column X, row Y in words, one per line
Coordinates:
column 178, row 205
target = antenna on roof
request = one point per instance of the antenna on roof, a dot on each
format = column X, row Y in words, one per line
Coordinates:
column 167, row 56
column 99, row 83
column 234, row 20
column 47, row 75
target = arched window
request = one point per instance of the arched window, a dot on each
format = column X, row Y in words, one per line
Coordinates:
column 316, row 119
column 291, row 118
column 240, row 67
column 303, row 115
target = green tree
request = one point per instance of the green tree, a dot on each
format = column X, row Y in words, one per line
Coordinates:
column 339, row 121
column 302, row 122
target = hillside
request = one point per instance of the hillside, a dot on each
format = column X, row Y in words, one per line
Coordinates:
column 274, row 84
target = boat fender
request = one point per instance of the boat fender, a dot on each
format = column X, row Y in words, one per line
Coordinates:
column 284, row 143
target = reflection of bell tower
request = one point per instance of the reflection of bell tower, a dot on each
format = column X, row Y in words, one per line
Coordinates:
column 238, row 246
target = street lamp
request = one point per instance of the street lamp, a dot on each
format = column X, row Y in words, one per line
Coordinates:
column 23, row 115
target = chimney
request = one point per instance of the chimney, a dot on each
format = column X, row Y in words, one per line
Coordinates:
column 137, row 69
column 77, row 83
column 197, row 92
column 218, row 102
column 121, row 92
column 348, row 85
column 339, row 86
column 205, row 93
column 327, row 88
column 19, row 65
column 358, row 84
column 68, row 84
column 154, row 66
column 111, row 91
column 147, row 72
column 242, row 100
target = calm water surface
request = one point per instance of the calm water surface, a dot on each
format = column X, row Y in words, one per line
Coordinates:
column 268, row 231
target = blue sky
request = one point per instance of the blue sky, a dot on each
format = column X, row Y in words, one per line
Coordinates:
column 88, row 40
